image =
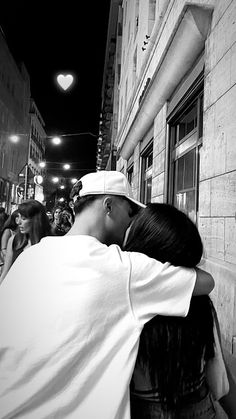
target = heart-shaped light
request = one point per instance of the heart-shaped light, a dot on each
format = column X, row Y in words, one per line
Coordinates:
column 65, row 81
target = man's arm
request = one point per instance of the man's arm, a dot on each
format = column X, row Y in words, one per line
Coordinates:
column 204, row 283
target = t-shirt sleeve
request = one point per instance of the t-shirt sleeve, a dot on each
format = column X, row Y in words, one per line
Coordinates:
column 157, row 288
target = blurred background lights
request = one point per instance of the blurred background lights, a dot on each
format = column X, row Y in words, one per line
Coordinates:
column 56, row 140
column 74, row 180
column 42, row 164
column 66, row 166
column 14, row 138
column 62, row 187
column 55, row 179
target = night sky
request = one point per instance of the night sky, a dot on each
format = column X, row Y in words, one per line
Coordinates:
column 52, row 37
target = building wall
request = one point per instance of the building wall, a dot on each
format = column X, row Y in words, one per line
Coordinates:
column 14, row 119
column 144, row 104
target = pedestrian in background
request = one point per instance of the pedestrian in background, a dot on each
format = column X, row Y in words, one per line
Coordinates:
column 56, row 227
column 33, row 225
column 3, row 217
column 8, row 230
column 170, row 376
column 72, row 309
column 67, row 219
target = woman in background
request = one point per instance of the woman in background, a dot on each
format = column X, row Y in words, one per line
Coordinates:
column 9, row 229
column 33, row 225
column 170, row 378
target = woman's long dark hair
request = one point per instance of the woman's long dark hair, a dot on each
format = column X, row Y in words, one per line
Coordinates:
column 40, row 226
column 172, row 348
column 11, row 221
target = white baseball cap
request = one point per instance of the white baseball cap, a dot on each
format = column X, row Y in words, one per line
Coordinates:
column 107, row 182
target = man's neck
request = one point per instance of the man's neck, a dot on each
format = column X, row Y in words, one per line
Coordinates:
column 87, row 224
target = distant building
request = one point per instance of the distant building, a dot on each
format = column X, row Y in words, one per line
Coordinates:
column 14, row 125
column 168, row 114
column 36, row 153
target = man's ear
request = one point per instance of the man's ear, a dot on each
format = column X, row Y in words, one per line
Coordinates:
column 108, row 204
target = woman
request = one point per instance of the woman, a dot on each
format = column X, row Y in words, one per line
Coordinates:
column 169, row 379
column 56, row 226
column 9, row 229
column 33, row 225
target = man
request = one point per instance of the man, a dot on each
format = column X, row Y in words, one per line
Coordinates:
column 72, row 309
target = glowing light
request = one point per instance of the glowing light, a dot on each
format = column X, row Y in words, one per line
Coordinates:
column 66, row 166
column 56, row 140
column 74, row 180
column 42, row 164
column 65, row 81
column 14, row 138
column 61, row 199
column 38, row 179
column 55, row 179
column 62, row 187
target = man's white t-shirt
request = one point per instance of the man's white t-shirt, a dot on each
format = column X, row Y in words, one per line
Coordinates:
column 71, row 313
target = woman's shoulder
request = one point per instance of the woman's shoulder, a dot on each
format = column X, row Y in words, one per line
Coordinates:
column 10, row 241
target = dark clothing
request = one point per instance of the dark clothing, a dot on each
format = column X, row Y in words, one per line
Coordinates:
column 200, row 405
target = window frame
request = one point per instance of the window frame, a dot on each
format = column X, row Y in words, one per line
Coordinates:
column 191, row 141
column 146, row 173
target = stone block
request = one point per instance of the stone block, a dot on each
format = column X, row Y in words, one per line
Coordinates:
column 159, row 142
column 230, row 239
column 225, row 31
column 212, row 233
column 205, row 198
column 160, row 120
column 219, row 10
column 159, row 163
column 158, row 185
column 225, row 122
column 218, row 80
column 224, row 297
column 233, row 65
column 223, row 195
column 208, row 143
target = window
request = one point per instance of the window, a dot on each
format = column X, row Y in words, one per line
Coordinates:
column 134, row 66
column 151, row 15
column 185, row 139
column 136, row 22
column 146, row 175
column 130, row 175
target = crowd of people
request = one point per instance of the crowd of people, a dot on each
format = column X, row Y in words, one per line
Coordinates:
column 105, row 313
column 26, row 226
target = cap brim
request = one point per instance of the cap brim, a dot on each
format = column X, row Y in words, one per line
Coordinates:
column 139, row 204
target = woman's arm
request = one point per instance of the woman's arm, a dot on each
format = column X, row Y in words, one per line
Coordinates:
column 204, row 283
column 8, row 259
column 5, row 237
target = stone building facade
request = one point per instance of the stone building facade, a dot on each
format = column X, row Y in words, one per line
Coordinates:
column 171, row 66
column 14, row 120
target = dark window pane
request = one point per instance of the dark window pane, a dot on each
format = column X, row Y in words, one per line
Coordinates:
column 188, row 121
column 180, row 174
column 189, row 169
column 185, row 202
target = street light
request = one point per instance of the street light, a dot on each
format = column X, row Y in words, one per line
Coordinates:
column 66, row 166
column 55, row 179
column 56, row 140
column 14, row 138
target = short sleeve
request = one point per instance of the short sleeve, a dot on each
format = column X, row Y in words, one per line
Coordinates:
column 157, row 288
